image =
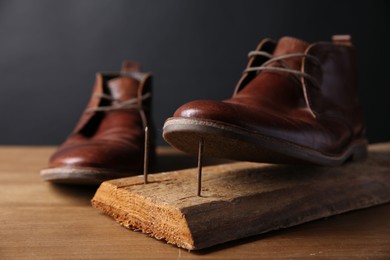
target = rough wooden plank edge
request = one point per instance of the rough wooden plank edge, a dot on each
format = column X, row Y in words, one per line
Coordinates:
column 149, row 217
column 243, row 199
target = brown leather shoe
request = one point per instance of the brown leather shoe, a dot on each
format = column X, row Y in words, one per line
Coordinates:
column 296, row 103
column 108, row 141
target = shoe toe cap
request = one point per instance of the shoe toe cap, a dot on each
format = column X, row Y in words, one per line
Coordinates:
column 206, row 109
column 95, row 155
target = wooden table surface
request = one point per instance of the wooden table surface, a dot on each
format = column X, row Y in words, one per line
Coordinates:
column 39, row 220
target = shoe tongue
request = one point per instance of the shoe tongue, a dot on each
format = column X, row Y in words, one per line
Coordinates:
column 289, row 45
column 123, row 88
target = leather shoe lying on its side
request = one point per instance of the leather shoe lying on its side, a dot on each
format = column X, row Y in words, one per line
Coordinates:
column 108, row 141
column 295, row 103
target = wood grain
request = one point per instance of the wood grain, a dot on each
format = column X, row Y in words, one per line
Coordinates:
column 243, row 199
column 43, row 221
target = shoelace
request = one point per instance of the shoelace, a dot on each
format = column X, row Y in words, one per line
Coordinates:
column 298, row 74
column 132, row 103
column 128, row 104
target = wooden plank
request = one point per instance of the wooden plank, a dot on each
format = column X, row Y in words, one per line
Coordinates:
column 243, row 199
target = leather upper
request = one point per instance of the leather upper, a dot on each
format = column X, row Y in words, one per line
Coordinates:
column 325, row 118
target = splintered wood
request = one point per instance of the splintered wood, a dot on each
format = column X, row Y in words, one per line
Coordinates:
column 243, row 199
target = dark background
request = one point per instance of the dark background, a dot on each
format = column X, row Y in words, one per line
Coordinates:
column 50, row 51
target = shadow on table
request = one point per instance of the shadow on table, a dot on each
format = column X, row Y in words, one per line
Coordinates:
column 76, row 194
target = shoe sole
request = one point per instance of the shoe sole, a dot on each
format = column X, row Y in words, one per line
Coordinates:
column 231, row 142
column 81, row 176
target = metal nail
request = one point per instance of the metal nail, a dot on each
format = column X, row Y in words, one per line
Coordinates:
column 146, row 155
column 200, row 158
